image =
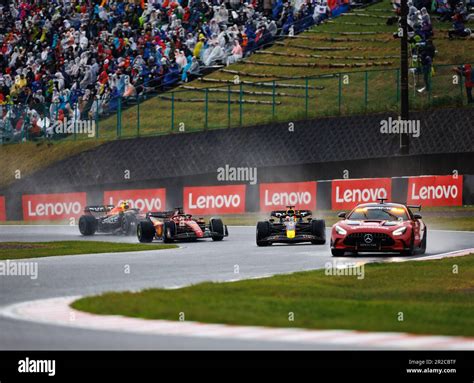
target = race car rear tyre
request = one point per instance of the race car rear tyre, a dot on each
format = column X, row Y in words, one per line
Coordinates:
column 145, row 232
column 129, row 224
column 169, row 231
column 337, row 252
column 217, row 228
column 87, row 225
column 318, row 229
column 263, row 231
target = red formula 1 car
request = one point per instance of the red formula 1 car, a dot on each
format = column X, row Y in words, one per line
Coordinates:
column 175, row 225
column 379, row 227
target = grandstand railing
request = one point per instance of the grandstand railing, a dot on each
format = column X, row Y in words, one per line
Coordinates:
column 235, row 103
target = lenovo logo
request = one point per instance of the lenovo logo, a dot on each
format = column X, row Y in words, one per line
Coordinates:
column 145, row 200
column 214, row 199
column 38, row 207
column 348, row 193
column 435, row 190
column 279, row 195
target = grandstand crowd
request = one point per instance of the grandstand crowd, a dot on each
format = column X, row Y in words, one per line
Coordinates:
column 78, row 59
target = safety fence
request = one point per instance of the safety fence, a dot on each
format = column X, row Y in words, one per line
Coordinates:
column 232, row 100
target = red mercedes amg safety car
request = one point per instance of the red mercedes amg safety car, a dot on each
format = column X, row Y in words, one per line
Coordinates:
column 380, row 227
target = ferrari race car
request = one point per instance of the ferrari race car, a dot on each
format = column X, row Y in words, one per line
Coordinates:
column 380, row 227
column 291, row 227
column 109, row 219
column 175, row 225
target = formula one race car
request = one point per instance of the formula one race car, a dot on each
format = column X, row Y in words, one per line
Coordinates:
column 175, row 225
column 380, row 227
column 291, row 227
column 110, row 219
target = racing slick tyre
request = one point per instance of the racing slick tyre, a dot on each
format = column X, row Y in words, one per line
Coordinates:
column 129, row 224
column 145, row 232
column 87, row 225
column 169, row 231
column 337, row 252
column 263, row 231
column 318, row 229
column 411, row 250
column 217, row 228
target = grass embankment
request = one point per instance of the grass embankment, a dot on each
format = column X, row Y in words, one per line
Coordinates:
column 19, row 250
column 432, row 298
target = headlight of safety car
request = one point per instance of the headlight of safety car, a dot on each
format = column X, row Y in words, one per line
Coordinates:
column 340, row 230
column 400, row 231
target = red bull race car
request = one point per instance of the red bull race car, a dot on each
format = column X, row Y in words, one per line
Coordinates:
column 176, row 225
column 291, row 226
column 110, row 219
column 380, row 227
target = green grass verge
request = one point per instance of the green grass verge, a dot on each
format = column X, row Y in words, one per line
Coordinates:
column 431, row 297
column 19, row 250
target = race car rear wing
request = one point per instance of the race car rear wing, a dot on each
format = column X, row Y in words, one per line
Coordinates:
column 418, row 207
column 161, row 214
column 98, row 209
column 284, row 213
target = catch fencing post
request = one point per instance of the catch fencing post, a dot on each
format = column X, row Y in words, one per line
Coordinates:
column 306, row 96
column 172, row 111
column 366, row 96
column 398, row 85
column 340, row 92
column 119, row 118
column 138, row 115
column 240, row 104
column 207, row 109
column 97, row 119
column 228, row 106
column 273, row 99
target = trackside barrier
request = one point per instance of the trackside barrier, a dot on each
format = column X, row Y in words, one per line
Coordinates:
column 340, row 194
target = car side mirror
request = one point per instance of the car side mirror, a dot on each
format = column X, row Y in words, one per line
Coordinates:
column 342, row 214
column 417, row 216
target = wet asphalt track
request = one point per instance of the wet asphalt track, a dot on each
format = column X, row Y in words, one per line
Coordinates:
column 192, row 263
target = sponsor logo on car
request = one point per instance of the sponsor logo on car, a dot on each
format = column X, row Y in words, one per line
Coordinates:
column 276, row 196
column 435, row 190
column 59, row 206
column 2, row 209
column 214, row 199
column 348, row 193
column 144, row 199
